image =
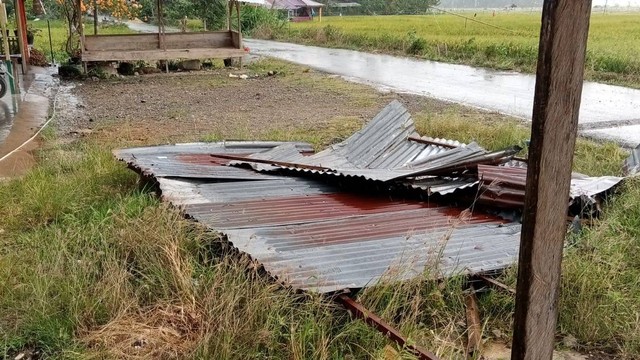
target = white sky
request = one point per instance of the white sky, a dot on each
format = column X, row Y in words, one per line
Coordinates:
column 617, row 2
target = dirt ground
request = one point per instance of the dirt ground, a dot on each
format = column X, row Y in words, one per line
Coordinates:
column 294, row 104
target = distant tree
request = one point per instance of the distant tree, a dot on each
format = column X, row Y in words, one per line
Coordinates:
column 72, row 15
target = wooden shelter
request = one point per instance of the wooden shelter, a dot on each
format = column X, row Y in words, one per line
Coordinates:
column 15, row 48
column 165, row 46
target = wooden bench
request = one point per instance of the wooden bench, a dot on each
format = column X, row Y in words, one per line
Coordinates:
column 149, row 47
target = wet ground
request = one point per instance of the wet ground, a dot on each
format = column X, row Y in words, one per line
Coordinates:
column 21, row 115
column 607, row 112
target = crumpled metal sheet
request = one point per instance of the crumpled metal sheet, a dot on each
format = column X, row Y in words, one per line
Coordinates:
column 316, row 237
column 504, row 186
column 385, row 150
column 631, row 165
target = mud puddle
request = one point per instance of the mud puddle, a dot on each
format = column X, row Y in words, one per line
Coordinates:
column 21, row 116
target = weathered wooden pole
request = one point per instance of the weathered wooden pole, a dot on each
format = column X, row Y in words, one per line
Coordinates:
column 95, row 17
column 563, row 39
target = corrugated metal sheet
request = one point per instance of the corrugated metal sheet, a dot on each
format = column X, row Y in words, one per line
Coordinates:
column 505, row 186
column 194, row 160
column 632, row 163
column 315, row 237
column 387, row 149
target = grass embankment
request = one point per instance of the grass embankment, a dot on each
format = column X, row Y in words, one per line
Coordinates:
column 59, row 36
column 92, row 265
column 611, row 53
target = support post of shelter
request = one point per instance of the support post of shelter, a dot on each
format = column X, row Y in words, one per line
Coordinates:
column 563, row 38
column 21, row 22
column 320, row 14
column 95, row 17
column 239, row 31
column 80, row 27
column 9, row 63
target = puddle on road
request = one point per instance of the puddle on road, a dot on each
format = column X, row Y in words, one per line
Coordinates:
column 505, row 92
column 21, row 115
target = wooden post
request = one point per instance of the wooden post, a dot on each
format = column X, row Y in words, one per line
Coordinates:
column 95, row 17
column 160, row 17
column 230, row 8
column 80, row 27
column 5, row 38
column 563, row 39
column 320, row 13
column 21, row 22
column 11, row 69
column 474, row 324
column 240, row 45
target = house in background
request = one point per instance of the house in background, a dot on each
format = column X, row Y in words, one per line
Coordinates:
column 297, row 10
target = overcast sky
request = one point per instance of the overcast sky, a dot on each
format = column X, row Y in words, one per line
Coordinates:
column 617, row 2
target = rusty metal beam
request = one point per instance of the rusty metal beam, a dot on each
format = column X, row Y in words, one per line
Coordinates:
column 372, row 319
column 269, row 162
column 495, row 283
column 474, row 324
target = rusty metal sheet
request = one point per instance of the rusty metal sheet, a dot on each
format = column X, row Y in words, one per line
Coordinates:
column 193, row 160
column 360, row 251
column 505, row 186
column 316, row 237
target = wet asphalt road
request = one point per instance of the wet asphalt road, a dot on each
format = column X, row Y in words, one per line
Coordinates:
column 607, row 112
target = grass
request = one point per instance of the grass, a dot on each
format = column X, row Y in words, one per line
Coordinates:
column 93, row 265
column 610, row 55
column 59, row 36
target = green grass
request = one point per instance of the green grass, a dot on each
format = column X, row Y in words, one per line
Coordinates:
column 59, row 36
column 611, row 54
column 92, row 263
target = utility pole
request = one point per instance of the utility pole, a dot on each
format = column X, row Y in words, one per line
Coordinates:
column 560, row 70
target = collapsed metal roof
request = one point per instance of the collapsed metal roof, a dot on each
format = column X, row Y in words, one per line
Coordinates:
column 288, row 213
column 504, row 186
column 316, row 236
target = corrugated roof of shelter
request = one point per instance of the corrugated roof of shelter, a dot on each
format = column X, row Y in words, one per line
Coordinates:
column 194, row 159
column 316, row 237
column 505, row 185
column 384, row 150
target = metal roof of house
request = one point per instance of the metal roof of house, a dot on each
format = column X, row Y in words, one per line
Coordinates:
column 292, row 4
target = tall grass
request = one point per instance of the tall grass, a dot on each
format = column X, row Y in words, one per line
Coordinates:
column 93, row 265
column 513, row 45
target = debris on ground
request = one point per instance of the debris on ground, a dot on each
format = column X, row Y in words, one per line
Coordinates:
column 385, row 203
column 37, row 58
column 241, row 76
